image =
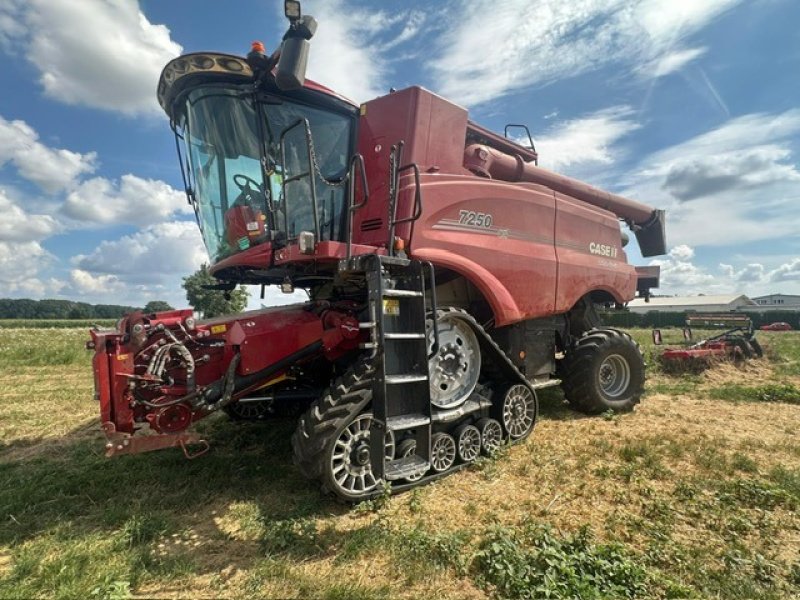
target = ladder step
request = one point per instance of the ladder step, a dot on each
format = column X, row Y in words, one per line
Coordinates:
column 402, row 293
column 411, row 421
column 408, row 466
column 404, row 336
column 400, row 379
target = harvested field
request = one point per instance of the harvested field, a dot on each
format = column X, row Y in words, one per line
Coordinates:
column 694, row 494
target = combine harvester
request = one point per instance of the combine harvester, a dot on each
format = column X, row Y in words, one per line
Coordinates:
column 449, row 278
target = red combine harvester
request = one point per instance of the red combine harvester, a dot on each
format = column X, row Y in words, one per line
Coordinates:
column 449, row 278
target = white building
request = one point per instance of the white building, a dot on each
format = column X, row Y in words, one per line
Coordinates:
column 692, row 304
column 777, row 302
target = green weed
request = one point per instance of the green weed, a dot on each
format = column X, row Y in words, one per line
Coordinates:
column 535, row 562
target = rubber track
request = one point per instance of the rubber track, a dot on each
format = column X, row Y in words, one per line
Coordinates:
column 346, row 398
column 577, row 384
column 352, row 392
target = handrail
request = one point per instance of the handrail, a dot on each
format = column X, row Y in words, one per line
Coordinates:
column 355, row 160
column 417, row 194
column 395, row 159
column 432, row 280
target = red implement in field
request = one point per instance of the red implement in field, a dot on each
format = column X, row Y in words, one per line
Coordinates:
column 736, row 344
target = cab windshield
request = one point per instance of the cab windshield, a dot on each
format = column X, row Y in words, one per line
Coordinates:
column 254, row 168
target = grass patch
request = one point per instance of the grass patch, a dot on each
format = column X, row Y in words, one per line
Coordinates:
column 43, row 347
column 55, row 323
column 786, row 393
column 686, row 509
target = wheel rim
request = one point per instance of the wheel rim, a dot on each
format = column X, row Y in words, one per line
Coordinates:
column 519, row 411
column 469, row 443
column 491, row 436
column 455, row 368
column 250, row 410
column 615, row 376
column 443, row 452
column 350, row 459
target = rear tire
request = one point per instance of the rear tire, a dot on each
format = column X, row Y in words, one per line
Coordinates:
column 603, row 371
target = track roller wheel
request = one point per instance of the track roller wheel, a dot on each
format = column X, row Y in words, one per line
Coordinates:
column 491, row 435
column 407, row 448
column 443, row 452
column 603, row 370
column 517, row 411
column 468, row 439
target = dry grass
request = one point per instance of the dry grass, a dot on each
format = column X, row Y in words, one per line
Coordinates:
column 702, row 493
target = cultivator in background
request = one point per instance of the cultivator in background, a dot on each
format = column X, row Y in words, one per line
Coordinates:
column 736, row 344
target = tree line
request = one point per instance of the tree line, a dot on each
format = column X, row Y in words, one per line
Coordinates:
column 24, row 308
column 202, row 293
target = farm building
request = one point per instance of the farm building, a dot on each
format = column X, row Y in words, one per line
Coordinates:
column 778, row 302
column 691, row 304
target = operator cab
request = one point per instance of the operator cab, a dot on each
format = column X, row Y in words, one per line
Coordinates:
column 260, row 164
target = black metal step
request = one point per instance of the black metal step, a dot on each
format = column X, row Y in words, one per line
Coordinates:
column 402, row 293
column 404, row 336
column 402, row 422
column 408, row 466
column 407, row 378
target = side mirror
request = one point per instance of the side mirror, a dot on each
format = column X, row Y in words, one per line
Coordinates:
column 291, row 71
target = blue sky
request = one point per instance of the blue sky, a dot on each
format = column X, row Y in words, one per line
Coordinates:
column 686, row 105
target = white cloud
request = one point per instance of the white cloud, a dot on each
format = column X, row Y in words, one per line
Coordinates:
column 132, row 200
column 350, row 51
column 586, row 139
column 163, row 249
column 682, row 253
column 16, row 225
column 84, row 283
column 493, row 49
column 738, row 183
column 51, row 169
column 140, row 267
column 786, row 272
column 670, row 62
column 679, row 275
column 342, row 57
column 20, row 262
column 99, row 53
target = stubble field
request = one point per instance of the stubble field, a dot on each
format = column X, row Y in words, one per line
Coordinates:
column 694, row 494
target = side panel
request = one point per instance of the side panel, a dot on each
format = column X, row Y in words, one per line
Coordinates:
column 433, row 131
column 498, row 235
column 590, row 254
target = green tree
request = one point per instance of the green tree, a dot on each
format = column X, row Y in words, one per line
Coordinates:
column 212, row 303
column 155, row 306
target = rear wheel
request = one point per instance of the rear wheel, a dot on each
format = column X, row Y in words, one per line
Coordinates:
column 603, row 371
